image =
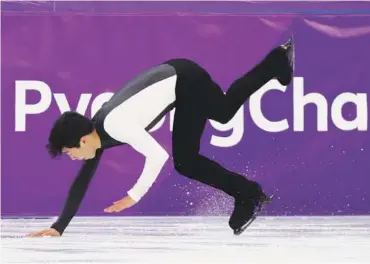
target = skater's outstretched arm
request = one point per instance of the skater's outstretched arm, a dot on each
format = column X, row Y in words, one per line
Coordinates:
column 76, row 193
column 155, row 158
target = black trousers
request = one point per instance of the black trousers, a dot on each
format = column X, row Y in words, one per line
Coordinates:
column 199, row 98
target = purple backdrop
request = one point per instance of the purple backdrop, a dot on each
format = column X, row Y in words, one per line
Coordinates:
column 313, row 172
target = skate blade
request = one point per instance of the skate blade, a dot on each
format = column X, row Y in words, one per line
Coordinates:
column 292, row 55
column 289, row 46
column 239, row 231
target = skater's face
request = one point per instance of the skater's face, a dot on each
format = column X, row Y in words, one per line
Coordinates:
column 84, row 152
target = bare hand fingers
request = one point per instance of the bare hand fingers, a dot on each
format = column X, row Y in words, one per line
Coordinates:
column 48, row 233
column 35, row 234
column 114, row 208
column 108, row 209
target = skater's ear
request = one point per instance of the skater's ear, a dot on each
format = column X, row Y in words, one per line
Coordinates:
column 84, row 140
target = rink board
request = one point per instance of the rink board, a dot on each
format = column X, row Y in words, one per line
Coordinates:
column 80, row 53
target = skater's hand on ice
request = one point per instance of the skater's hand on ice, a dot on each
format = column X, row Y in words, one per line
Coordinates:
column 120, row 205
column 45, row 232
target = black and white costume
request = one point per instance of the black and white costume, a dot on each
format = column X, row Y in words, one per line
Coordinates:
column 181, row 84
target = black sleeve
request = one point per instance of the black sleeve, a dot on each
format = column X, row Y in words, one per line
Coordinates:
column 77, row 192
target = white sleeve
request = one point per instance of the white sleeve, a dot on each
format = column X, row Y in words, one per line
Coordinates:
column 155, row 157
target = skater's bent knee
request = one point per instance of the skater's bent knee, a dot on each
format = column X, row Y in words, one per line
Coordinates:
column 222, row 116
column 185, row 165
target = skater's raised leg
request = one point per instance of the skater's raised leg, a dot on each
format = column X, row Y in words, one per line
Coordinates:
column 276, row 65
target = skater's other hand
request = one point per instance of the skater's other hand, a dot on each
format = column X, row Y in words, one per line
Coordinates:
column 46, row 232
column 120, row 205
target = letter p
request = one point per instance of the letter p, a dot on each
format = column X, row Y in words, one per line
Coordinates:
column 22, row 108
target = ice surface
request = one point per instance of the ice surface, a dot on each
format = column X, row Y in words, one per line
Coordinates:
column 126, row 240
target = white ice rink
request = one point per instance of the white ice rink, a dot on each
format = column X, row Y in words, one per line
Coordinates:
column 206, row 240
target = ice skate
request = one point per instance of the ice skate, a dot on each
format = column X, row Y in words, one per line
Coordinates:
column 265, row 200
column 286, row 75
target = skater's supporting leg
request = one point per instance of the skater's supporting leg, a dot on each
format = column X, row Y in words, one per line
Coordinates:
column 192, row 96
column 189, row 122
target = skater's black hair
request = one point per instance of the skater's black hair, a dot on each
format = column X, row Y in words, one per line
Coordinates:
column 67, row 132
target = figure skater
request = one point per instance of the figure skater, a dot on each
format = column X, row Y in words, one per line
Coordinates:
column 134, row 109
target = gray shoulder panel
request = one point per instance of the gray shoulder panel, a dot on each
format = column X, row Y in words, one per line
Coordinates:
column 139, row 83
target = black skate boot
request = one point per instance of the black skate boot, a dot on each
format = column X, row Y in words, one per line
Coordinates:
column 247, row 209
column 243, row 211
column 258, row 208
